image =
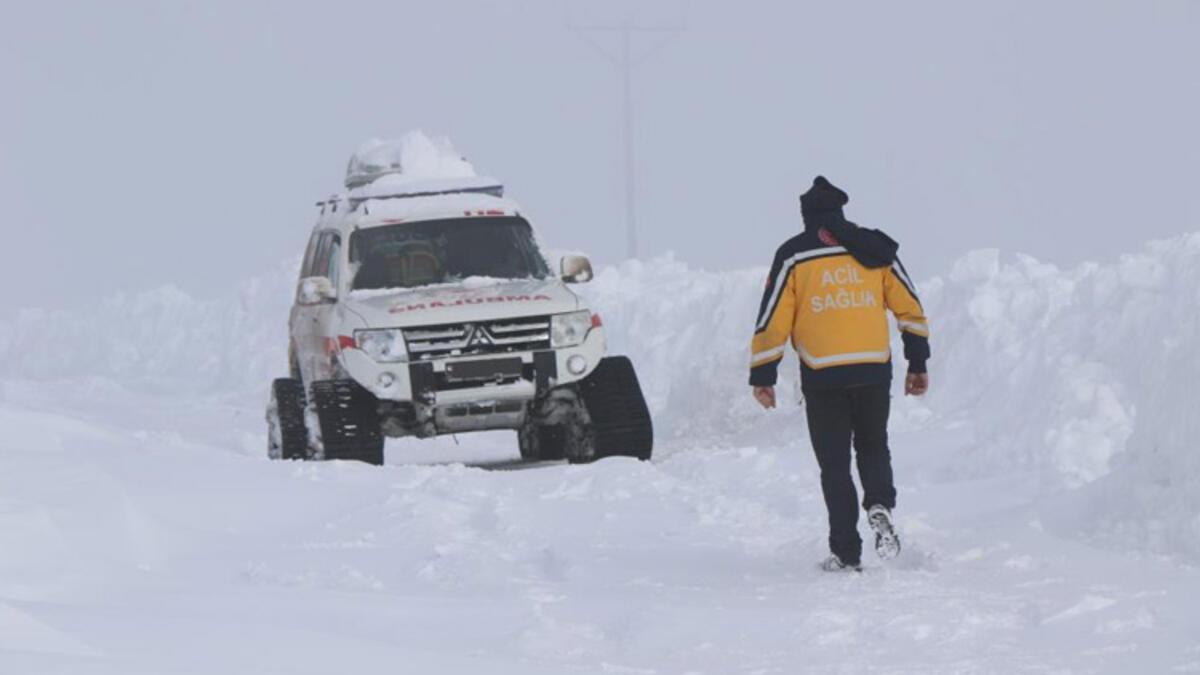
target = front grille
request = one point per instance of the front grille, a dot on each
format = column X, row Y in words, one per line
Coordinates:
column 503, row 336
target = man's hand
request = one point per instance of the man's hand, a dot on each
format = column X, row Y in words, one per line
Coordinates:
column 916, row 384
column 765, row 396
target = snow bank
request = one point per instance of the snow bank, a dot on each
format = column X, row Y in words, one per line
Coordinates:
column 1081, row 378
column 161, row 339
column 687, row 332
column 1085, row 377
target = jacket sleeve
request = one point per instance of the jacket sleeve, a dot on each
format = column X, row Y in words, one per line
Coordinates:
column 901, row 297
column 776, row 315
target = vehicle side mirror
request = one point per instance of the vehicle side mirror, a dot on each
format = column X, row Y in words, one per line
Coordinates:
column 315, row 291
column 576, row 269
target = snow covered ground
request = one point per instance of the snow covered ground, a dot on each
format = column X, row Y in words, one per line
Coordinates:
column 1050, row 488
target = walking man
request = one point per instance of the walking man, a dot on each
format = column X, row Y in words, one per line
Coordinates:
column 828, row 293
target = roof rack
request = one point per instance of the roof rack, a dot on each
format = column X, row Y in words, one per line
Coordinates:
column 493, row 190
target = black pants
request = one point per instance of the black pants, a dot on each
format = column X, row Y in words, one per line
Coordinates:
column 835, row 417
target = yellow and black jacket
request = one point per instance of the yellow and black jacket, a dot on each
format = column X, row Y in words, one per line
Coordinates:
column 833, row 309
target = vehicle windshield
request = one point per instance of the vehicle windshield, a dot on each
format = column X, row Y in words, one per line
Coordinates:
column 407, row 255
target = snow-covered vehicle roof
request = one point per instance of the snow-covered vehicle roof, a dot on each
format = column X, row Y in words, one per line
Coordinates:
column 410, row 179
column 376, row 212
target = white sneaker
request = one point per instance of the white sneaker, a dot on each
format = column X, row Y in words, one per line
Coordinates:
column 887, row 542
column 835, row 564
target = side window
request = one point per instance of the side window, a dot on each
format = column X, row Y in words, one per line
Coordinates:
column 310, row 254
column 332, row 264
column 320, row 266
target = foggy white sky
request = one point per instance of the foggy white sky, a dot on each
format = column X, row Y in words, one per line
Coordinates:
column 151, row 143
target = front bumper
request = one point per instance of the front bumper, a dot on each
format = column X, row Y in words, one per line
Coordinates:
column 425, row 382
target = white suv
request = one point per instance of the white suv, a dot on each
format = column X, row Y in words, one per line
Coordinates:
column 425, row 307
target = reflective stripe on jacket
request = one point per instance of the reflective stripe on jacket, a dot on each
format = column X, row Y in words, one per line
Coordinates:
column 833, row 309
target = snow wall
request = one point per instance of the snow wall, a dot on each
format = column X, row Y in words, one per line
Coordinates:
column 1079, row 377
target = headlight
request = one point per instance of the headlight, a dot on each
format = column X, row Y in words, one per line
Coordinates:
column 385, row 345
column 569, row 330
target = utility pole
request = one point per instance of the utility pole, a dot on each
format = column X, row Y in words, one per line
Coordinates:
column 626, row 63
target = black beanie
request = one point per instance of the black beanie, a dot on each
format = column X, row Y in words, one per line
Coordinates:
column 823, row 203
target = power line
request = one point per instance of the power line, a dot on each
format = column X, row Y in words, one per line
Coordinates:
column 626, row 62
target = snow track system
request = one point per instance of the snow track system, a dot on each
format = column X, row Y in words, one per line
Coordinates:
column 605, row 415
column 619, row 416
column 349, row 419
column 346, row 414
column 285, row 420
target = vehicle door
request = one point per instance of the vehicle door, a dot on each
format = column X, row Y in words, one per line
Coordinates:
column 308, row 344
column 326, row 316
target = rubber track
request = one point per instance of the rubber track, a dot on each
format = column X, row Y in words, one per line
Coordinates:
column 349, row 421
column 620, row 418
column 289, row 401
